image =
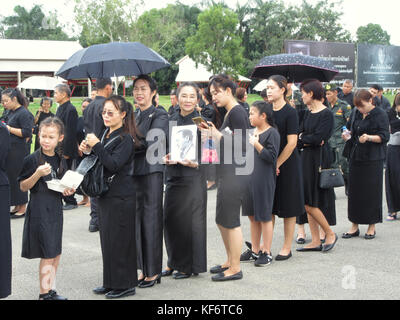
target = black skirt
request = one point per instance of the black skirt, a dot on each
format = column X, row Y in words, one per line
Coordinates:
column 118, row 243
column 314, row 196
column 15, row 159
column 185, row 224
column 392, row 179
column 5, row 243
column 365, row 192
column 289, row 182
column 42, row 235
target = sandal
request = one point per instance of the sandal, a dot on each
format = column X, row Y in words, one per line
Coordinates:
column 391, row 217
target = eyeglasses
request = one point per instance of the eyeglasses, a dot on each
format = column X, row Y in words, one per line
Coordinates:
column 108, row 113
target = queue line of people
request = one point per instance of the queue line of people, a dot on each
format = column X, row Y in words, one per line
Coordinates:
column 287, row 157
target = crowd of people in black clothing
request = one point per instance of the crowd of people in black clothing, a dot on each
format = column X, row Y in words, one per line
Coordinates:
column 285, row 141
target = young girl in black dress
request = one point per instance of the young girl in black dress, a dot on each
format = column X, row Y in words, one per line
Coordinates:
column 42, row 236
column 266, row 142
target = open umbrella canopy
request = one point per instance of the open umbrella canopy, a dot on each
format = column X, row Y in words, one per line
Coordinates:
column 112, row 59
column 295, row 67
column 40, row 83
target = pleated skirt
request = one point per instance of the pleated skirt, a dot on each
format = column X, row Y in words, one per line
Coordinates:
column 14, row 164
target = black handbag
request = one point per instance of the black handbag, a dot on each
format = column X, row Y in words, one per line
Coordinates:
column 94, row 183
column 330, row 178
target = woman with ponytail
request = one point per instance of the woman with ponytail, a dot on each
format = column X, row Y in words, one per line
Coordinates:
column 116, row 208
column 20, row 123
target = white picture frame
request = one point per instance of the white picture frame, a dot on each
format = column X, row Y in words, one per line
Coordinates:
column 183, row 143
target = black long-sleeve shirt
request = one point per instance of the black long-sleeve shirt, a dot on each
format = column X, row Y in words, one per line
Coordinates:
column 22, row 119
column 146, row 121
column 92, row 117
column 118, row 159
column 4, row 149
column 375, row 123
column 394, row 121
column 316, row 128
column 69, row 116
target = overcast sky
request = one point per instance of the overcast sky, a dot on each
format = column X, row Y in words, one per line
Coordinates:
column 356, row 13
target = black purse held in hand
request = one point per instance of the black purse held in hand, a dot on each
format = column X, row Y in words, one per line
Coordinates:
column 330, row 178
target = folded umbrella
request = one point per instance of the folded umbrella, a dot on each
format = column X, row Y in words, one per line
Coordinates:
column 295, row 67
column 112, row 60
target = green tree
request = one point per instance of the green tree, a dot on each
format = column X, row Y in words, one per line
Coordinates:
column 32, row 25
column 216, row 43
column 106, row 20
column 372, row 34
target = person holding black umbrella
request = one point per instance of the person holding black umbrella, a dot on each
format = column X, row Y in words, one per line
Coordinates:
column 5, row 232
column 314, row 135
column 153, row 126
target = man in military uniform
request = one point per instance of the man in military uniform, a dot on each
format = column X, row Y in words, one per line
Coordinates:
column 341, row 111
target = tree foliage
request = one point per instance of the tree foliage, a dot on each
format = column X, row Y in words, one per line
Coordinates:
column 216, row 43
column 32, row 25
column 372, row 34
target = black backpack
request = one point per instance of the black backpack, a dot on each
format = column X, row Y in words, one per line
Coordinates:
column 95, row 184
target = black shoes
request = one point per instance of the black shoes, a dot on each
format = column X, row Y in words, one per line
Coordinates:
column 248, row 255
column 283, row 258
column 115, row 294
column 218, row 269
column 370, row 236
column 319, row 248
column 263, row 260
column 351, row 235
column 220, row 277
column 148, row 284
column 167, row 273
column 301, row 240
column 101, row 290
column 51, row 295
column 328, row 247
column 93, row 228
column 17, row 216
column 70, row 207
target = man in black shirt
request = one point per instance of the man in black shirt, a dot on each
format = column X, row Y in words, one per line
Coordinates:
column 93, row 123
column 379, row 100
column 346, row 94
column 69, row 116
column 174, row 103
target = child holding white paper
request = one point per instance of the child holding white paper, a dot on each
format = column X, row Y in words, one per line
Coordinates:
column 42, row 236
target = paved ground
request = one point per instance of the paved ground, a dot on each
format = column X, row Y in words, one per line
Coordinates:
column 355, row 269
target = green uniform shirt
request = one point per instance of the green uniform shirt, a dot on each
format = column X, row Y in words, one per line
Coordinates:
column 341, row 111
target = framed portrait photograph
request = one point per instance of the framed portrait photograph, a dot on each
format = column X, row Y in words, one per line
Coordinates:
column 184, row 143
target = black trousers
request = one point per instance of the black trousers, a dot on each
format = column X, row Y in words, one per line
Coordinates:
column 149, row 222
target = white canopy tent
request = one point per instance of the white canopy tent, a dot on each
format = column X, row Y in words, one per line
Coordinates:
column 41, row 83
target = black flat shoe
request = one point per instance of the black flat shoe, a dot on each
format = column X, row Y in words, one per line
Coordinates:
column 319, row 248
column 17, row 216
column 218, row 269
column 148, row 284
column 52, row 295
column 283, row 258
column 328, row 247
column 167, row 273
column 351, row 235
column 180, row 275
column 323, row 240
column 101, row 290
column 221, row 277
column 213, row 187
column 300, row 240
column 370, row 236
column 115, row 294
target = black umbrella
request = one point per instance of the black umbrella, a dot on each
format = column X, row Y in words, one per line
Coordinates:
column 112, row 60
column 295, row 67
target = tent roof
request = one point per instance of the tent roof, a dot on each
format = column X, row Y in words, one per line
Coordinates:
column 15, row 49
column 189, row 72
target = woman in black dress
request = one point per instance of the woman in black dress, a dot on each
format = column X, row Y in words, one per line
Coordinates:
column 43, row 113
column 117, row 207
column 392, row 175
column 266, row 142
column 316, row 130
column 5, row 232
column 185, row 207
column 369, row 128
column 241, row 95
column 233, row 186
column 152, row 124
column 42, row 236
column 20, row 125
column 288, row 169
